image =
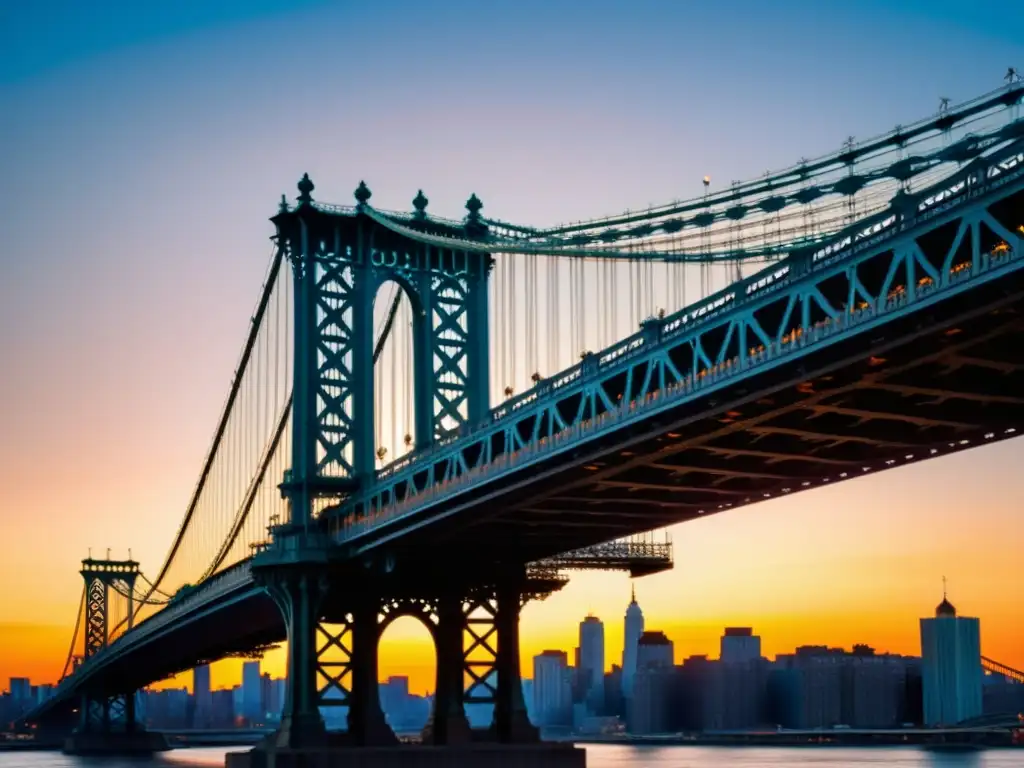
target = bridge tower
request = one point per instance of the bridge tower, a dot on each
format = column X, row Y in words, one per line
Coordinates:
column 100, row 576
column 340, row 257
column 106, row 720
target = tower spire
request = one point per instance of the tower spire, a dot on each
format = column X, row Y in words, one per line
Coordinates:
column 634, row 593
column 943, row 587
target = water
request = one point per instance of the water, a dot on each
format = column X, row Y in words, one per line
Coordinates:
column 605, row 756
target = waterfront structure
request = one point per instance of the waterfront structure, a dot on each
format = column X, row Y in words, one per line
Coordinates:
column 951, row 670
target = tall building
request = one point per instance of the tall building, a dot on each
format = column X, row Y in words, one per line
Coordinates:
column 203, row 713
column 591, row 663
column 951, row 670
column 654, row 650
column 634, row 629
column 252, row 692
column 552, row 689
column 650, row 710
column 21, row 689
column 740, row 646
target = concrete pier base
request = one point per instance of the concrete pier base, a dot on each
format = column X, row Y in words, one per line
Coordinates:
column 132, row 743
column 413, row 756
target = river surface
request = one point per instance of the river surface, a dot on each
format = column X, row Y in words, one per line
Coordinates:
column 608, row 756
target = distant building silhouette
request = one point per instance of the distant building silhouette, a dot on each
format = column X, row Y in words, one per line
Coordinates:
column 590, row 665
column 552, row 690
column 951, row 666
column 740, row 646
column 252, row 693
column 634, row 628
column 203, row 700
column 651, row 708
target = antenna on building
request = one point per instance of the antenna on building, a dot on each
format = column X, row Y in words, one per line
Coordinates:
column 943, row 587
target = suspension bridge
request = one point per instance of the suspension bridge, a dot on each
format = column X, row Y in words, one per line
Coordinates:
column 440, row 418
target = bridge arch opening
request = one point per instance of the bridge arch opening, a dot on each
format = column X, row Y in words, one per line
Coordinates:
column 407, row 667
column 397, row 316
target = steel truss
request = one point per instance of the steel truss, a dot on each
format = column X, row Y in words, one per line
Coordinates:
column 640, row 555
column 878, row 273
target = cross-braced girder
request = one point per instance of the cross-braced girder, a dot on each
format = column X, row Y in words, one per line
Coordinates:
column 107, row 714
column 339, row 264
column 101, row 576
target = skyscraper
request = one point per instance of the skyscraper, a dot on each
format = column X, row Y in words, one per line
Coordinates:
column 951, row 673
column 591, row 663
column 552, row 690
column 252, row 692
column 203, row 714
column 634, row 628
column 650, row 709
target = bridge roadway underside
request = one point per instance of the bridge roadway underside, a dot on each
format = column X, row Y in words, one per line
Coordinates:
column 945, row 378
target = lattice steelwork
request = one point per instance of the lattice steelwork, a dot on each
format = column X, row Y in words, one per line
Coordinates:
column 109, row 584
column 95, row 617
column 334, row 663
column 339, row 265
column 902, row 256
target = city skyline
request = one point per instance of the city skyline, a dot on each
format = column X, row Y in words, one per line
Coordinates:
column 131, row 398
column 411, row 653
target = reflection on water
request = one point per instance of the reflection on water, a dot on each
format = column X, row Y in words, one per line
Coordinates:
column 605, row 756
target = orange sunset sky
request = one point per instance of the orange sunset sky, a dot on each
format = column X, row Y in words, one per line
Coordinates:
column 141, row 163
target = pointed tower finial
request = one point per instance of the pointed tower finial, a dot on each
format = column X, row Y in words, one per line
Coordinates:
column 420, row 204
column 634, row 593
column 363, row 193
column 306, row 188
column 943, row 587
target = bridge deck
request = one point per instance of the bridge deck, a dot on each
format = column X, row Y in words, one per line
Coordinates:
column 923, row 386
